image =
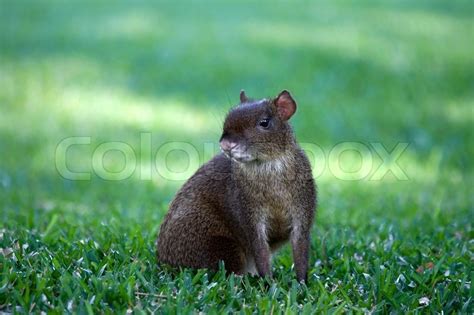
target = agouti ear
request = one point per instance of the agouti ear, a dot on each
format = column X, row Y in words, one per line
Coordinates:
column 285, row 104
column 243, row 97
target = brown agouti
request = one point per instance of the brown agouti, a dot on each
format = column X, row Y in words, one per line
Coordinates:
column 246, row 202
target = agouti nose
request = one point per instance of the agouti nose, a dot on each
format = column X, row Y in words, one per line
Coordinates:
column 227, row 145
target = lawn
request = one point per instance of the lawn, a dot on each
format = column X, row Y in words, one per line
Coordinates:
column 367, row 74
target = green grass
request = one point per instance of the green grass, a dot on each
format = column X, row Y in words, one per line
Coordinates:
column 361, row 71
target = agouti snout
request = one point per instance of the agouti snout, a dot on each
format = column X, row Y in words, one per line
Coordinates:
column 267, row 198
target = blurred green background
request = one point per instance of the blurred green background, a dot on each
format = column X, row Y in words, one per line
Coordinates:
column 361, row 71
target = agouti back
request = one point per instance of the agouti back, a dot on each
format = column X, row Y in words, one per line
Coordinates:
column 247, row 201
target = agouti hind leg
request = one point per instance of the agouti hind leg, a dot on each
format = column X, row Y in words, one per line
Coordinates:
column 225, row 249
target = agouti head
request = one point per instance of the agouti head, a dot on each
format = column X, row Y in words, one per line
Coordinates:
column 258, row 130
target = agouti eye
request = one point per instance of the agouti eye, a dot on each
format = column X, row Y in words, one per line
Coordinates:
column 264, row 123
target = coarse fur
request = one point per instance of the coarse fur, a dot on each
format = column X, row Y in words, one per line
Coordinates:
column 246, row 202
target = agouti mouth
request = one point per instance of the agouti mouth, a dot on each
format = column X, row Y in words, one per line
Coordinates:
column 242, row 159
column 238, row 156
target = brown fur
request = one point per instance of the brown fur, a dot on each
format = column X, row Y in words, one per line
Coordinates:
column 246, row 202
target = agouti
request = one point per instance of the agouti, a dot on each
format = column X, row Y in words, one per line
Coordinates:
column 246, row 202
